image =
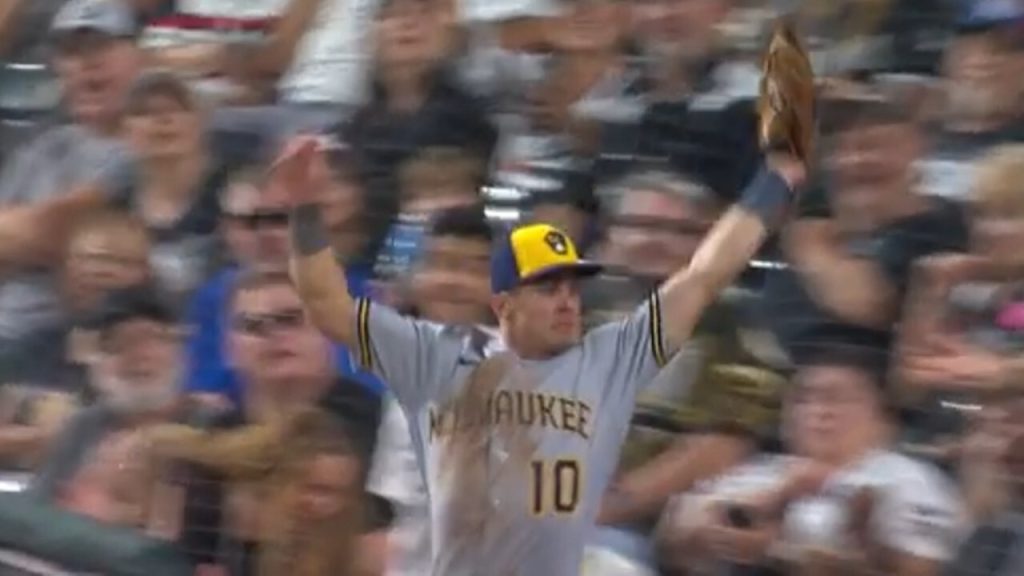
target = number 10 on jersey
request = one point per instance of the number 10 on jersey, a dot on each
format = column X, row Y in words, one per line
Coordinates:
column 555, row 486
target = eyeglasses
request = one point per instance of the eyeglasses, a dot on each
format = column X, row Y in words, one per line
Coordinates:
column 257, row 220
column 263, row 324
column 655, row 224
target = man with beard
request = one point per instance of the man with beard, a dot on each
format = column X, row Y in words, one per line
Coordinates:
column 96, row 459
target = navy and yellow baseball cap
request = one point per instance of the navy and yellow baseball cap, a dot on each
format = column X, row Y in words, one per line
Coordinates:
column 533, row 252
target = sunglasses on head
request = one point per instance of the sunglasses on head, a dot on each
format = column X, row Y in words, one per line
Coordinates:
column 262, row 324
column 257, row 220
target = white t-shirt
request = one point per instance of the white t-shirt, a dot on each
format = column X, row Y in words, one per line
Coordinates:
column 333, row 59
column 917, row 510
column 397, row 477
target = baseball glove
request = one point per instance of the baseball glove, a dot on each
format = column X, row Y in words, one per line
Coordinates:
column 786, row 103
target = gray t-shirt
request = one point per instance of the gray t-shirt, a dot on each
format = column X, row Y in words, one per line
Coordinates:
column 54, row 164
column 575, row 409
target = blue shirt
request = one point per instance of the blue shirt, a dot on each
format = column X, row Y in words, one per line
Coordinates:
column 208, row 371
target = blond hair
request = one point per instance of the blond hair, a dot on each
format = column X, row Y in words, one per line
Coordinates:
column 997, row 182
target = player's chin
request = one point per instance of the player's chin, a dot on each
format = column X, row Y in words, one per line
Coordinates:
column 565, row 337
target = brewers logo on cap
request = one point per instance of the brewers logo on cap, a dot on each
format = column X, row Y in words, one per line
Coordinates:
column 533, row 252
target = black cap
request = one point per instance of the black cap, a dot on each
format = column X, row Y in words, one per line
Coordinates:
column 136, row 303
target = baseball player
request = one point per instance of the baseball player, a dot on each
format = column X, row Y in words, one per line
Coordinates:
column 517, row 447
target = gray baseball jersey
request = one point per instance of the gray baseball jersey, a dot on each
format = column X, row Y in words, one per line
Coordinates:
column 575, row 408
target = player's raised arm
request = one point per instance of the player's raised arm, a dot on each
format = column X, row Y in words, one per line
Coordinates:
column 786, row 107
column 302, row 173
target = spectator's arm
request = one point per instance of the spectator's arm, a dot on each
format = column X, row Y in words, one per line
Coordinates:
column 35, row 234
column 271, row 58
column 18, row 441
column 10, row 11
column 203, row 59
column 642, row 492
column 854, row 289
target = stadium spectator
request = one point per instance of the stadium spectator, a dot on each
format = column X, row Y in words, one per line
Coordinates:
column 574, row 208
column 195, row 38
column 434, row 179
column 983, row 94
column 99, row 465
column 451, row 284
column 994, row 548
column 849, row 272
column 312, row 70
column 699, row 114
column 321, row 513
column 415, row 103
column 255, row 231
column 289, row 371
column 174, row 184
column 712, row 405
column 48, row 180
column 960, row 341
column 107, row 250
column 843, row 501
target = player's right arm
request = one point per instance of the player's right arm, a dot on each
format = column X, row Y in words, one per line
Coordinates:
column 302, row 175
column 415, row 358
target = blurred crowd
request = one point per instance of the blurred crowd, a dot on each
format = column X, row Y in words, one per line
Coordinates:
column 855, row 405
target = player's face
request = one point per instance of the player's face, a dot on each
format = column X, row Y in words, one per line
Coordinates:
column 543, row 318
column 835, row 412
column 275, row 346
column 329, row 488
column 452, row 283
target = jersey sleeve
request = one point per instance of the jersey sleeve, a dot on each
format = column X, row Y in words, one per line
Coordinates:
column 922, row 515
column 414, row 358
column 633, row 348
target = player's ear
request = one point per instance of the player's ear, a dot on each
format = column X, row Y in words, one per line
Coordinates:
column 499, row 305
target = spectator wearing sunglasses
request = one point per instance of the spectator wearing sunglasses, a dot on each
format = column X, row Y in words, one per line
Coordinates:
column 288, row 367
column 254, row 225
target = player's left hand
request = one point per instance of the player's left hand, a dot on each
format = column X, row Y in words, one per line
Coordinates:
column 786, row 105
